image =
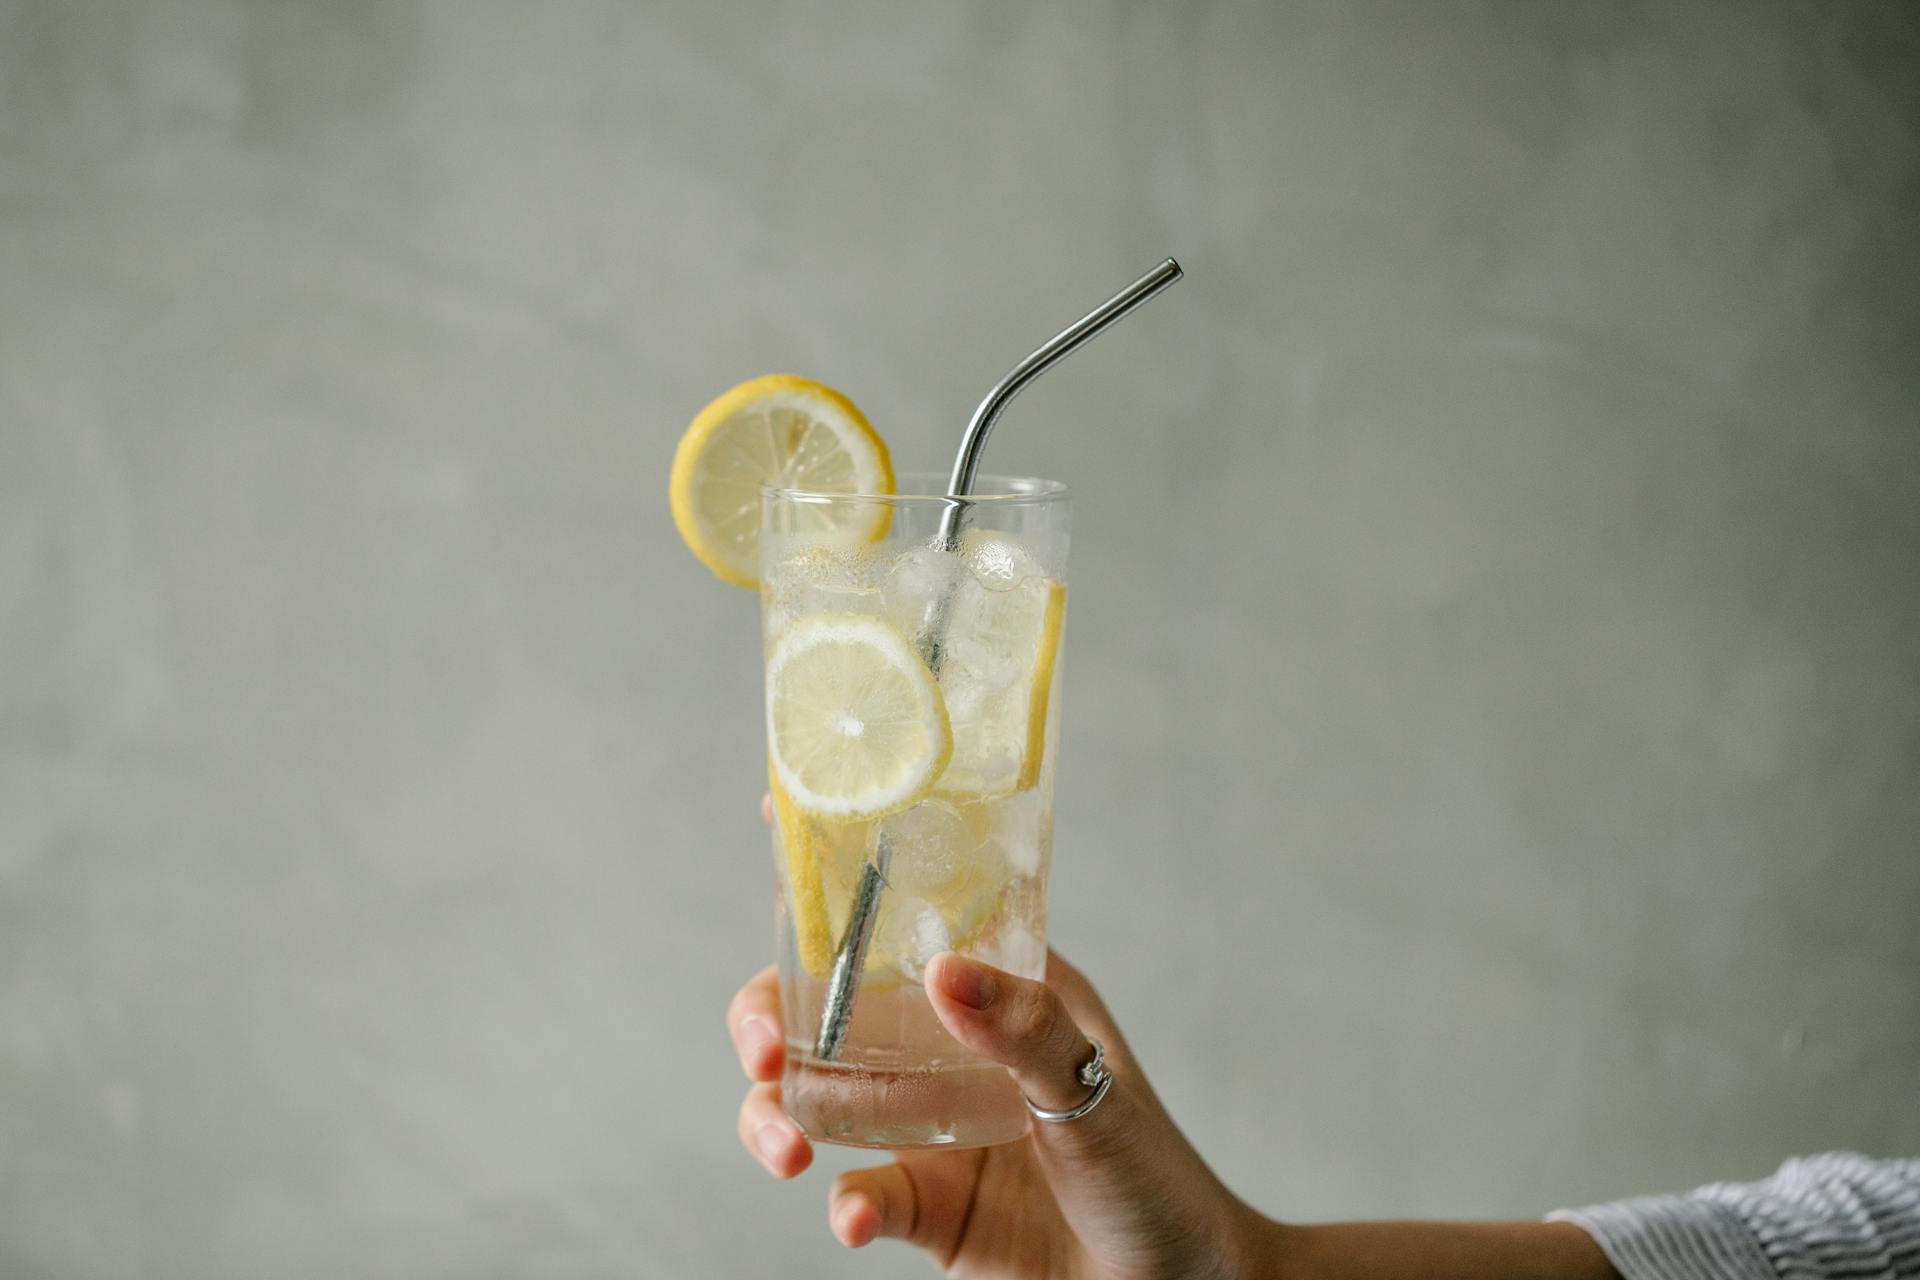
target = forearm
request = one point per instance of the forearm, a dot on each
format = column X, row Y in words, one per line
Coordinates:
column 1431, row 1251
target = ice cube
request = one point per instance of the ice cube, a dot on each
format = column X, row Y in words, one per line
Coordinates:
column 911, row 587
column 928, row 842
column 911, row 932
column 1021, row 831
column 817, row 580
column 1018, row 948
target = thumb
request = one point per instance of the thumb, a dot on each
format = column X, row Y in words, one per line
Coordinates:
column 1122, row 1174
column 1021, row 1024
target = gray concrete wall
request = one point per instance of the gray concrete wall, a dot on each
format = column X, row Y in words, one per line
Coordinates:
column 1494, row 681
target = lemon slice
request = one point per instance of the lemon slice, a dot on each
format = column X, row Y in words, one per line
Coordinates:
column 806, row 891
column 1041, row 690
column 856, row 725
column 777, row 430
column 1001, row 646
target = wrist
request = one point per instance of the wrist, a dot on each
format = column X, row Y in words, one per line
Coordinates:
column 1262, row 1248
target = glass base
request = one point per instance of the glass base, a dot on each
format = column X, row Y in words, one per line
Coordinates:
column 972, row 1104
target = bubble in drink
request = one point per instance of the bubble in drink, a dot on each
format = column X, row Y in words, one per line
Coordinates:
column 996, row 563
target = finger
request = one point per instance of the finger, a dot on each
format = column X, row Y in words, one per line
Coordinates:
column 770, row 1136
column 766, row 807
column 1125, row 1150
column 753, row 1020
column 866, row 1204
column 1017, row 1022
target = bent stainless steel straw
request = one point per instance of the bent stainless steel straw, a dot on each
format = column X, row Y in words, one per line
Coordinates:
column 850, row 957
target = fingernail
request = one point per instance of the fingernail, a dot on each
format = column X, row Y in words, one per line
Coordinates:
column 758, row 1033
column 843, row 1224
column 772, row 1141
column 969, row 983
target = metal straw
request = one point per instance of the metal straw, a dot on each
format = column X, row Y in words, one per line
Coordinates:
column 843, row 984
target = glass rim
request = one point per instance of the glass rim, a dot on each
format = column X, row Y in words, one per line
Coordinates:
column 989, row 491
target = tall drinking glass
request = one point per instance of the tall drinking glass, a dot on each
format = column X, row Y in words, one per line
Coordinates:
column 856, row 597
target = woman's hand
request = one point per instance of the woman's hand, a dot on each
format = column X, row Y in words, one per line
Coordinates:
column 1115, row 1193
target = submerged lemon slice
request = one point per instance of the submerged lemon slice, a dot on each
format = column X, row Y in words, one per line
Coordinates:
column 856, row 725
column 777, row 430
column 806, row 890
column 1040, row 691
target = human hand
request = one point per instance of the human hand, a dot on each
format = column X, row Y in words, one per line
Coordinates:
column 1118, row 1192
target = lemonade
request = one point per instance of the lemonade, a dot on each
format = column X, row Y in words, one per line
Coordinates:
column 912, row 655
column 913, row 712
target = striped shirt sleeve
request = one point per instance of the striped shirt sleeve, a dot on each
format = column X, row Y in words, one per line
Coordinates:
column 1831, row 1217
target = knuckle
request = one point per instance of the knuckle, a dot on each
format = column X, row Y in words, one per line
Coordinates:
column 863, row 1183
column 1037, row 1016
column 747, row 1001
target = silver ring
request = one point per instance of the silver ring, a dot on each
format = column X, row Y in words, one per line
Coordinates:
column 1095, row 1074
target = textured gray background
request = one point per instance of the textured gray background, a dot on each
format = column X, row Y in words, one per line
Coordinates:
column 1494, row 694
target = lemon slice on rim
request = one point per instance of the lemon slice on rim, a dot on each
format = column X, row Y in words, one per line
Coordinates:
column 779, row 430
column 856, row 726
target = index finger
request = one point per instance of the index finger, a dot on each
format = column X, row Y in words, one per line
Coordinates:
column 753, row 1020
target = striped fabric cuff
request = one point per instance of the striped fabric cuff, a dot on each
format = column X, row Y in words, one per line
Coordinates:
column 1672, row 1238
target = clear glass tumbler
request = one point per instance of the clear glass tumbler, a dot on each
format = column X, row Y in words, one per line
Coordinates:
column 966, row 846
